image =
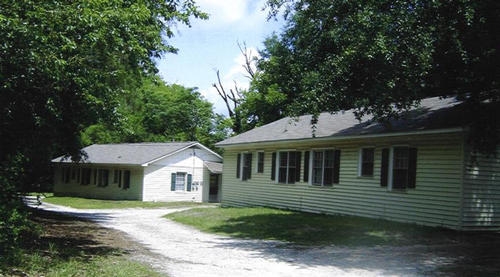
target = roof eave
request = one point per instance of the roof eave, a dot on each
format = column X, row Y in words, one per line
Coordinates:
column 341, row 138
column 180, row 150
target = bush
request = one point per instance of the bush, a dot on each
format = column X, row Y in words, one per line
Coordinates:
column 15, row 226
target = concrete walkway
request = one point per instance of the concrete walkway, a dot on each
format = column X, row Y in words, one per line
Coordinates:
column 184, row 251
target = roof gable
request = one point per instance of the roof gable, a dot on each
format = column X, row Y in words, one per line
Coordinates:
column 432, row 114
column 131, row 153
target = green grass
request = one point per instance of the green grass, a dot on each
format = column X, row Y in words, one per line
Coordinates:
column 84, row 203
column 307, row 229
column 48, row 265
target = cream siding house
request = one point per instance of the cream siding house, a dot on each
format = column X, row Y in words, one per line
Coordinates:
column 138, row 171
column 416, row 169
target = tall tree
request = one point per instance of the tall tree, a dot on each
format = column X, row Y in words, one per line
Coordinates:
column 382, row 57
column 159, row 112
column 63, row 65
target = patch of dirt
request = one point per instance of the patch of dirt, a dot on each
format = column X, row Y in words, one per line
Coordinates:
column 77, row 237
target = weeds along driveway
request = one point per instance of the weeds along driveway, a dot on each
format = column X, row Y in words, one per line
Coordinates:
column 184, row 251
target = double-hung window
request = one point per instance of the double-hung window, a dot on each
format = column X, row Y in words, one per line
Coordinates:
column 85, row 180
column 244, row 166
column 366, row 162
column 103, row 177
column 399, row 167
column 288, row 166
column 180, row 181
column 325, row 167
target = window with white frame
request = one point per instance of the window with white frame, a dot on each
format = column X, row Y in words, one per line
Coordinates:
column 180, row 181
column 244, row 166
column 325, row 167
column 288, row 167
column 399, row 167
column 366, row 162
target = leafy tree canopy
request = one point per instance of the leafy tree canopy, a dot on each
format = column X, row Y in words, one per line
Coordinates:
column 64, row 66
column 159, row 112
column 382, row 57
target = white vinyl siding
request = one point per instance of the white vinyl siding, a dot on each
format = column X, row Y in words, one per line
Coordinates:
column 146, row 183
column 481, row 204
column 93, row 179
column 436, row 199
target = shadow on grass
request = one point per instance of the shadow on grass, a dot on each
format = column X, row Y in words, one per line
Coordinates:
column 353, row 243
column 63, row 239
column 319, row 230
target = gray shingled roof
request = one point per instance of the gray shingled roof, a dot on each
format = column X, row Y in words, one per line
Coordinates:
column 432, row 114
column 214, row 167
column 130, row 153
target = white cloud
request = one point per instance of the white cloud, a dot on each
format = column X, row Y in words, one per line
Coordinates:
column 237, row 13
column 212, row 44
column 224, row 11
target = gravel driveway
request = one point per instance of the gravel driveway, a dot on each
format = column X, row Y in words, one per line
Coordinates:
column 183, row 251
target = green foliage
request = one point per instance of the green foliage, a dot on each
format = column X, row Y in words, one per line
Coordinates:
column 382, row 57
column 64, row 66
column 159, row 112
column 14, row 227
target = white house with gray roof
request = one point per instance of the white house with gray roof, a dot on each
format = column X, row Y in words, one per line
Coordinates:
column 177, row 171
column 418, row 168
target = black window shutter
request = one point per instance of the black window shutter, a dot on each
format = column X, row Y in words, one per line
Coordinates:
column 238, row 166
column 172, row 182
column 298, row 157
column 336, row 166
column 273, row 166
column 412, row 168
column 249, row 174
column 384, row 168
column 189, row 181
column 306, row 166
column 126, row 179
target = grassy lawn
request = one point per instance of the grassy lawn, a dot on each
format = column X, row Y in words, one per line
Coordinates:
column 84, row 203
column 308, row 229
column 113, row 265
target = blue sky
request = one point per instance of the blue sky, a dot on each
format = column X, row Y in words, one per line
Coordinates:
column 212, row 44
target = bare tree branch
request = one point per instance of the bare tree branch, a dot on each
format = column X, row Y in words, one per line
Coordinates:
column 225, row 97
column 247, row 54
